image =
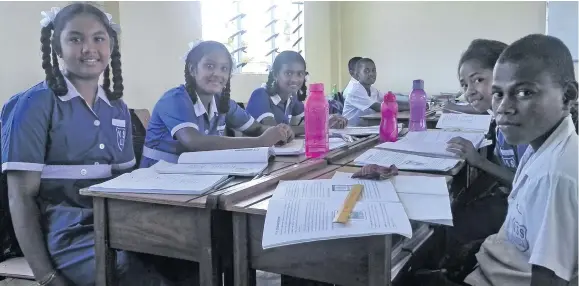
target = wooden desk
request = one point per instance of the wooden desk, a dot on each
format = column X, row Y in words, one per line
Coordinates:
column 403, row 117
column 359, row 261
column 177, row 226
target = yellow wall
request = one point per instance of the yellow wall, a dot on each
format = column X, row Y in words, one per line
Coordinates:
column 407, row 40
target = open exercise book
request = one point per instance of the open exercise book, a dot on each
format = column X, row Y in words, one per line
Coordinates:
column 433, row 142
column 298, row 147
column 362, row 130
column 405, row 161
column 425, row 198
column 237, row 162
column 148, row 181
column 303, row 211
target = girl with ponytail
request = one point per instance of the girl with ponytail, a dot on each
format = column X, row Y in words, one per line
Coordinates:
column 64, row 134
column 282, row 98
column 193, row 116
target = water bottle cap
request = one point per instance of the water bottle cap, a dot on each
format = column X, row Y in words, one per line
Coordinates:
column 417, row 84
column 316, row 87
column 390, row 97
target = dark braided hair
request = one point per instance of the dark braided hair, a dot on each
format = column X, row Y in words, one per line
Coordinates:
column 553, row 56
column 285, row 57
column 192, row 60
column 484, row 51
column 51, row 48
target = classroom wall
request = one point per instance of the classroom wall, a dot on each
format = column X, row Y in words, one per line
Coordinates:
column 155, row 36
column 411, row 40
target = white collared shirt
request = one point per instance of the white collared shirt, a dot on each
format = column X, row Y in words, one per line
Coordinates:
column 357, row 102
column 73, row 92
column 541, row 224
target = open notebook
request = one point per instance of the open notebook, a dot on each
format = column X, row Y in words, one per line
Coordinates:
column 297, row 147
column 425, row 198
column 433, row 142
column 303, row 211
column 237, row 162
column 148, row 181
column 405, row 161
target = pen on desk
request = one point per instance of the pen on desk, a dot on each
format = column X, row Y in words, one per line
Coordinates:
column 259, row 174
column 225, row 182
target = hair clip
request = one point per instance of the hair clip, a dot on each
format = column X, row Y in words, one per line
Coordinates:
column 116, row 27
column 48, row 16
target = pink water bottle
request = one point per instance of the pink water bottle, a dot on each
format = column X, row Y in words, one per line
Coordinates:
column 417, row 100
column 317, row 112
column 389, row 121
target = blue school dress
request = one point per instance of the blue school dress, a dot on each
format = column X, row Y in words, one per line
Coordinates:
column 73, row 146
column 261, row 105
column 175, row 111
column 509, row 155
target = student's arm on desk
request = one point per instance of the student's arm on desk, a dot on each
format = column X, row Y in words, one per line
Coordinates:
column 23, row 187
column 468, row 109
column 193, row 140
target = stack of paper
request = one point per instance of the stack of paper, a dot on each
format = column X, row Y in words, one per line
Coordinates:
column 405, row 161
column 297, row 147
column 303, row 211
column 238, row 162
column 148, row 181
column 362, row 130
column 425, row 198
column 465, row 122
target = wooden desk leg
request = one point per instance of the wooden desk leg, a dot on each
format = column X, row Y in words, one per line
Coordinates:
column 209, row 269
column 379, row 261
column 243, row 275
column 105, row 257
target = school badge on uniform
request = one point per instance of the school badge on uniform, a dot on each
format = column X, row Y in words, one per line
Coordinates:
column 121, row 134
column 121, row 131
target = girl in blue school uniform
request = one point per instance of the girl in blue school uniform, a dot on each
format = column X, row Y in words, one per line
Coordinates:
column 64, row 134
column 192, row 117
column 281, row 100
column 484, row 204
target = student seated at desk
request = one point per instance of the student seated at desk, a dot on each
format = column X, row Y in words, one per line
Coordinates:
column 192, row 117
column 281, row 100
column 361, row 98
column 64, row 134
column 534, row 90
column 483, row 204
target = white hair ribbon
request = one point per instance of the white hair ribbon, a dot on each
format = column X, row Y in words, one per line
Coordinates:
column 191, row 46
column 48, row 16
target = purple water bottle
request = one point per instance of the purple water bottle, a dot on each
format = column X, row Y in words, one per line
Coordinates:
column 417, row 121
column 389, row 121
column 316, row 122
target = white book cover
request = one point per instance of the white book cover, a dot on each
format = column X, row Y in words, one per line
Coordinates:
column 465, row 122
column 234, row 169
column 431, row 142
column 303, row 211
column 148, row 181
column 246, row 155
column 405, row 161
column 297, row 147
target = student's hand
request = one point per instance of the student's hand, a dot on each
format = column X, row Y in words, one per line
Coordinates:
column 274, row 135
column 465, row 150
column 337, row 121
column 289, row 132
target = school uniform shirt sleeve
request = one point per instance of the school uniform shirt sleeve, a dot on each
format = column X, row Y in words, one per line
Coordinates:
column 176, row 111
column 555, row 247
column 126, row 160
column 25, row 132
column 358, row 97
column 237, row 118
column 259, row 106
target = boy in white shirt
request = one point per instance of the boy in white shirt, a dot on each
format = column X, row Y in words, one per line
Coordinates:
column 534, row 89
column 361, row 98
